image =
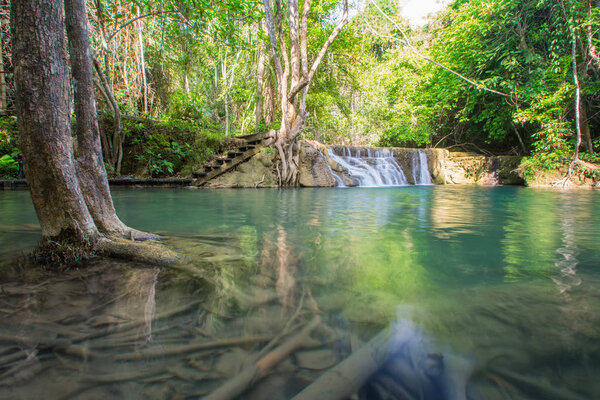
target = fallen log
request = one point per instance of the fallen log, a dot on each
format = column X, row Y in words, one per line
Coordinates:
column 350, row 375
column 251, row 374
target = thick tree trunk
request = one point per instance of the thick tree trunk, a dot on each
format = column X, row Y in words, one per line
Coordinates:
column 42, row 100
column 90, row 166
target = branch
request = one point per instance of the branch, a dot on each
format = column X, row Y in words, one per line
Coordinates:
column 414, row 50
column 306, row 79
column 131, row 21
column 272, row 39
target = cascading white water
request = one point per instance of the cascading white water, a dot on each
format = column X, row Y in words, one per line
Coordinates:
column 379, row 167
column 373, row 168
column 420, row 169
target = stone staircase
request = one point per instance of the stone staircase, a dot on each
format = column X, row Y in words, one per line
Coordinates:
column 238, row 150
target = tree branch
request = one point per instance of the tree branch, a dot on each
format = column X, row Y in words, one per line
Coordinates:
column 131, row 21
column 306, row 79
column 414, row 50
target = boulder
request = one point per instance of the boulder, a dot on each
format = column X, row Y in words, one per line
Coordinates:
column 256, row 172
column 314, row 170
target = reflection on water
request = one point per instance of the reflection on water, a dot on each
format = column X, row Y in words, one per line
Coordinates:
column 497, row 291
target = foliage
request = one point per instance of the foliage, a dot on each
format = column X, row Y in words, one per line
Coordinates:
column 201, row 61
column 9, row 148
column 165, row 148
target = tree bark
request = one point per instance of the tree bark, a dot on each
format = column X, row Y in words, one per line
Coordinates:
column 3, row 98
column 44, row 121
column 142, row 61
column 65, row 191
column 585, row 129
column 259, row 87
column 90, row 166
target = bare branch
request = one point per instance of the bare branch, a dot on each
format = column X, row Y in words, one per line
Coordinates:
column 131, row 21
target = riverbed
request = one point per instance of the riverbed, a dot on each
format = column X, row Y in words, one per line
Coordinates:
column 506, row 280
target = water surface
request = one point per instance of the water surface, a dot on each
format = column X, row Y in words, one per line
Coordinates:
column 505, row 279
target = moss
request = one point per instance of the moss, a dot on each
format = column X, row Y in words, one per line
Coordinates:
column 63, row 250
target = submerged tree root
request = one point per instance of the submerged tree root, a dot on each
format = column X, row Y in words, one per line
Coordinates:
column 150, row 252
column 63, row 251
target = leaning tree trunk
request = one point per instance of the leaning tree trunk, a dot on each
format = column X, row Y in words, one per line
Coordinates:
column 89, row 164
column 44, row 120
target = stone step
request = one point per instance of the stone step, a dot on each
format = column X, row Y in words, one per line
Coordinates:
column 199, row 174
column 234, row 154
column 247, row 147
column 221, row 161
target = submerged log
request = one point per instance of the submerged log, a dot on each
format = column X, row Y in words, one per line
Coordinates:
column 249, row 375
column 350, row 375
column 189, row 348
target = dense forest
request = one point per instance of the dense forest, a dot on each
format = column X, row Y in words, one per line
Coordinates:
column 173, row 78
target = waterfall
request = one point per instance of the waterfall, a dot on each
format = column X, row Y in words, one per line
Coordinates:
column 370, row 167
column 420, row 169
column 379, row 167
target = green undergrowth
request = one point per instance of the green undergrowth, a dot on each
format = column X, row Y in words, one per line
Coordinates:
column 9, row 148
column 160, row 149
column 535, row 171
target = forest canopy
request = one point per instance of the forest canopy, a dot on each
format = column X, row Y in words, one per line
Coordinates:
column 496, row 76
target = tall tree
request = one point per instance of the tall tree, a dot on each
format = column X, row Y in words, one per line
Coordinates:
column 293, row 77
column 70, row 195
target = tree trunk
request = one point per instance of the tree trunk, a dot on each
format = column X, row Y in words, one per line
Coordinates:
column 142, row 61
column 115, row 146
column 63, row 189
column 3, row 99
column 44, row 121
column 259, row 86
column 585, row 129
column 89, row 165
column 290, row 82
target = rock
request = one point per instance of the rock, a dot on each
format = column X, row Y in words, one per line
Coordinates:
column 230, row 363
column 468, row 168
column 313, row 169
column 316, row 359
column 256, row 172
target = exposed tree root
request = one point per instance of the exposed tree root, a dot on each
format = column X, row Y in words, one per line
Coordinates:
column 586, row 166
column 150, row 252
column 66, row 249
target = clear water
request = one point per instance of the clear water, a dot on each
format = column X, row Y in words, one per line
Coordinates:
column 505, row 280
